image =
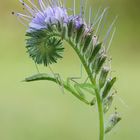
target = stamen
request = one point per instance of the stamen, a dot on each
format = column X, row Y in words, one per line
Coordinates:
column 50, row 3
column 82, row 9
column 34, row 6
column 64, row 3
column 96, row 15
column 20, row 20
column 30, row 10
column 85, row 8
column 110, row 42
column 101, row 19
column 90, row 14
column 74, row 7
column 108, row 32
column 22, row 17
column 42, row 5
column 19, row 14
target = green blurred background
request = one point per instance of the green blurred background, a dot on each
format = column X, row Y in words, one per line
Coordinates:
column 39, row 111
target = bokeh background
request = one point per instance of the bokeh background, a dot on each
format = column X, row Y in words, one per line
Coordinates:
column 39, row 111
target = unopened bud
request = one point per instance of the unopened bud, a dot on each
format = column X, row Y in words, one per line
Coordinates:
column 103, row 76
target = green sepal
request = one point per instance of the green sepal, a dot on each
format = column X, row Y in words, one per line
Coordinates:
column 103, row 76
column 101, row 60
column 108, row 87
column 50, row 27
column 95, row 52
column 113, row 120
column 87, row 41
column 36, row 33
column 70, row 28
column 107, row 102
column 59, row 26
column 80, row 32
column 64, row 32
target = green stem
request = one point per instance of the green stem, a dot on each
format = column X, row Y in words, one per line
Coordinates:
column 101, row 115
column 93, row 81
column 99, row 99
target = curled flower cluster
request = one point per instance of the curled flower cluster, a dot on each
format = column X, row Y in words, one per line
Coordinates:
column 45, row 21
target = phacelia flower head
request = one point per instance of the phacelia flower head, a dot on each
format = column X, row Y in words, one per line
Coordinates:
column 50, row 15
column 49, row 22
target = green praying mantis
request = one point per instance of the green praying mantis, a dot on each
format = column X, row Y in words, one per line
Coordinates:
column 80, row 90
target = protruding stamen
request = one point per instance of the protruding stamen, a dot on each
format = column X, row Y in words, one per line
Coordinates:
column 110, row 42
column 42, row 5
column 74, row 7
column 29, row 9
column 101, row 19
column 90, row 14
column 109, row 31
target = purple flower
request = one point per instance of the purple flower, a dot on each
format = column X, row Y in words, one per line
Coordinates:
column 51, row 15
column 78, row 20
column 39, row 16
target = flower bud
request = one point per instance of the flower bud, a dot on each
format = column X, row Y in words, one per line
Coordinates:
column 70, row 28
column 101, row 60
column 87, row 41
column 80, row 32
column 107, row 102
column 95, row 51
column 103, row 76
column 113, row 120
column 108, row 87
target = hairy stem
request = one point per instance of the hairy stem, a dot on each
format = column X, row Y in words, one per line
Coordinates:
column 101, row 115
column 99, row 99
